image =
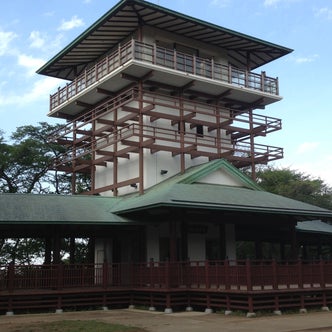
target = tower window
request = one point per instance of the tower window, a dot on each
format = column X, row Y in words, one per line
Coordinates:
column 199, row 130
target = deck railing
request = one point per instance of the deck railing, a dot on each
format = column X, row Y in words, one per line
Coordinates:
column 172, row 59
column 169, row 139
column 222, row 275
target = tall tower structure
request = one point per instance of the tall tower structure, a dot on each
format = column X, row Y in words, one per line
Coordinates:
column 152, row 92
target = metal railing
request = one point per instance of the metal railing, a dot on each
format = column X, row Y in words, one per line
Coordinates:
column 172, row 59
column 170, row 140
column 225, row 114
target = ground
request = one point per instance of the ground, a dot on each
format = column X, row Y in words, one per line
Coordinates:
column 184, row 321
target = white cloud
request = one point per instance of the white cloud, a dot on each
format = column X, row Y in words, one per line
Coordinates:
column 74, row 22
column 303, row 59
column 268, row 3
column 48, row 45
column 39, row 91
column 324, row 12
column 317, row 170
column 51, row 13
column 307, row 147
column 37, row 41
column 5, row 40
column 312, row 167
column 306, row 59
column 30, row 63
column 220, row 3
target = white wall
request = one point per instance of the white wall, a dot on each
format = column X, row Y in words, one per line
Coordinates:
column 103, row 250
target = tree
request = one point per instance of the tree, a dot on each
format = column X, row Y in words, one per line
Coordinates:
column 296, row 185
column 292, row 184
column 26, row 167
column 25, row 164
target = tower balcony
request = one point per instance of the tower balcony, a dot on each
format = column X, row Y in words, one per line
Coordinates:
column 106, row 137
column 161, row 68
column 133, row 136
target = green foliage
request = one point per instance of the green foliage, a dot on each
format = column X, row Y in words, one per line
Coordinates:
column 25, row 164
column 296, row 185
column 21, row 250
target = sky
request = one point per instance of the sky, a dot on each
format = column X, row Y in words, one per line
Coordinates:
column 32, row 32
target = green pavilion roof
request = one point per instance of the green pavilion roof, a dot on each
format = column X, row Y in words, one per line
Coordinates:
column 314, row 226
column 183, row 191
column 189, row 191
column 58, row 209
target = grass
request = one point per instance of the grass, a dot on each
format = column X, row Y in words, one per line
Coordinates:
column 76, row 326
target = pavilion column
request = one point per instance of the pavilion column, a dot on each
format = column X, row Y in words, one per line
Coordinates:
column 304, row 251
column 184, row 241
column 56, row 249
column 48, row 250
column 173, row 244
column 258, row 249
column 91, row 250
column 294, row 248
column 230, row 241
column 319, row 248
column 72, row 248
column 222, row 241
column 282, row 250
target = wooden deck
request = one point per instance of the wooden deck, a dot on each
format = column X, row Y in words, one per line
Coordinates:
column 217, row 285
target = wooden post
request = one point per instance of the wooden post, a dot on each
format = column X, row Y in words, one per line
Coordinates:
column 48, row 250
column 151, row 264
column 167, row 275
column 321, row 272
column 60, row 276
column 250, row 304
column 207, row 274
column 72, row 250
column 263, row 81
column 105, row 274
column 300, row 273
column 274, row 274
column 173, row 241
column 227, row 283
column 248, row 275
column 56, row 249
column 11, row 277
column 293, row 241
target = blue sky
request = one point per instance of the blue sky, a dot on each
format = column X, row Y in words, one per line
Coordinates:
column 32, row 32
